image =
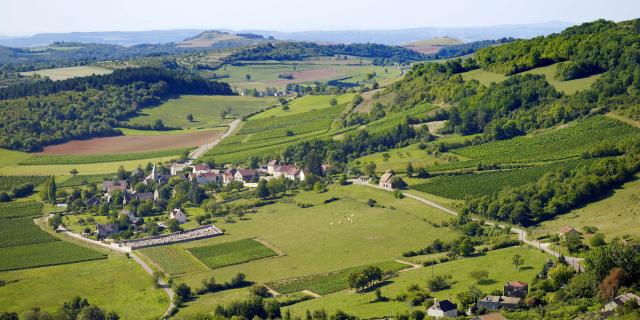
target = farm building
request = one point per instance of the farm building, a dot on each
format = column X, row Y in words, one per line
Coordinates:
column 201, row 168
column 105, row 230
column 567, row 230
column 112, row 186
column 516, row 289
column 618, row 302
column 497, row 302
column 178, row 167
column 178, row 215
column 207, row 177
column 245, row 175
column 385, row 180
column 443, row 309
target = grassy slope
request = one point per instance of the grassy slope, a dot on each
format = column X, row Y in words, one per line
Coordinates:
column 230, row 253
column 10, row 157
column 68, row 72
column 205, row 110
column 615, row 216
column 568, row 87
column 85, row 169
column 498, row 263
column 312, row 245
column 116, row 284
column 304, row 104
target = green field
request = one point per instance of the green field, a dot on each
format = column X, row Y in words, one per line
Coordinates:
column 174, row 260
column 568, row 87
column 564, row 142
column 615, row 216
column 498, row 263
column 7, row 183
column 44, row 254
column 26, row 209
column 487, row 183
column 329, row 282
column 72, row 181
column 230, row 253
column 10, row 157
column 68, row 72
column 321, row 239
column 205, row 110
column 21, row 231
column 83, row 169
column 98, row 158
column 116, row 284
column 305, row 104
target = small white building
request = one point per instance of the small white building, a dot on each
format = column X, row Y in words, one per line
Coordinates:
column 443, row 309
column 201, row 169
column 178, row 215
column 385, row 180
column 177, row 167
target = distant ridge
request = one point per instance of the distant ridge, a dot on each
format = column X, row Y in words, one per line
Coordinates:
column 121, row 38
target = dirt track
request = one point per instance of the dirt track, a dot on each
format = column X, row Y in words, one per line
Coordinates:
column 128, row 144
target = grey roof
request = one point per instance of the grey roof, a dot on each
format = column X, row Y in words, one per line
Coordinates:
column 445, row 305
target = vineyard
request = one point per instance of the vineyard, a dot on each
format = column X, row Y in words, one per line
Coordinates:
column 85, row 159
column 45, row 254
column 21, row 231
column 86, row 179
column 7, row 183
column 394, row 119
column 230, row 253
column 28, row 209
column 328, row 282
column 173, row 260
column 554, row 144
column 487, row 183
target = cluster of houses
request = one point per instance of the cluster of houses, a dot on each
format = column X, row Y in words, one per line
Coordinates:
column 512, row 298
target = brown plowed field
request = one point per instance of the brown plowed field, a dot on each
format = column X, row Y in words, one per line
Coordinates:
column 129, row 144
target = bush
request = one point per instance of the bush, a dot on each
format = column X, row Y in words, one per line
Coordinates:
column 4, row 197
column 438, row 283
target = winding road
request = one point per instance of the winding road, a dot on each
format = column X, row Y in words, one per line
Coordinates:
column 522, row 234
column 204, row 148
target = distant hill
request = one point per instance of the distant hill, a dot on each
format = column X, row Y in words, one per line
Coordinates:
column 221, row 39
column 121, row 38
column 432, row 45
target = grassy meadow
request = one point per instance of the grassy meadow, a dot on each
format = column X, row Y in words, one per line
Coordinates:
column 83, row 169
column 68, row 72
column 205, row 110
column 305, row 104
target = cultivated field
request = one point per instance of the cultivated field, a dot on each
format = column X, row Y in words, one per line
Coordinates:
column 44, row 254
column 132, row 144
column 433, row 45
column 321, row 238
column 84, row 169
column 68, row 72
column 30, row 209
column 174, row 260
column 305, row 104
column 7, row 183
column 22, row 231
column 205, row 110
column 498, row 263
column 10, row 157
column 43, row 159
column 230, row 253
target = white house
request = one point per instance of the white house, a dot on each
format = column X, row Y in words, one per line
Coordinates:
column 385, row 180
column 245, row 175
column 201, row 169
column 178, row 215
column 177, row 167
column 443, row 309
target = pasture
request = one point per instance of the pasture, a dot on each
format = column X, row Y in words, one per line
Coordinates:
column 68, row 72
column 563, row 142
column 325, row 237
column 206, row 110
column 498, row 263
column 116, row 284
column 230, row 253
column 616, row 215
column 127, row 144
column 305, row 104
column 10, row 157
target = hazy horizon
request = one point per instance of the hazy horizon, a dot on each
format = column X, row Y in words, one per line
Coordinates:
column 289, row 16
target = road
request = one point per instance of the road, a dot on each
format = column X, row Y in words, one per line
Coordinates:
column 522, row 234
column 125, row 250
column 204, row 148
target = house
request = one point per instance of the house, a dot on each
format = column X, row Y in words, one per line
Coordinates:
column 271, row 166
column 385, row 180
column 245, row 175
column 567, row 230
column 619, row 301
column 201, row 168
column 497, row 302
column 443, row 309
column 177, row 167
column 133, row 195
column 516, row 289
column 290, row 172
column 131, row 216
column 93, row 202
column 206, row 178
column 490, row 316
column 228, row 176
column 112, row 186
column 178, row 215
column 105, row 230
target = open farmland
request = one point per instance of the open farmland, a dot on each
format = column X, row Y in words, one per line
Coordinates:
column 132, row 144
column 305, row 104
column 396, row 118
column 174, row 260
column 68, row 72
column 73, row 181
column 230, row 253
column 25, row 209
column 553, row 144
column 204, row 109
column 9, row 182
column 329, row 282
column 22, row 231
column 497, row 262
column 44, row 254
column 10, row 157
column 83, row 169
column 43, row 159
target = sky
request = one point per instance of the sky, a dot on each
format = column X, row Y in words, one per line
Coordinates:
column 26, row 17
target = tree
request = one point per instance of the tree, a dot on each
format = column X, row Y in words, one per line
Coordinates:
column 422, row 173
column 572, row 242
column 248, row 77
column 409, row 169
column 74, row 172
column 91, row 313
column 51, row 190
column 4, row 197
column 342, row 180
column 481, row 276
column 469, row 297
column 333, row 102
column 370, row 169
column 608, row 288
column 190, row 117
column 597, row 240
column 262, row 190
column 183, row 293
column 172, row 225
column 285, row 107
column 318, row 187
column 517, row 261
